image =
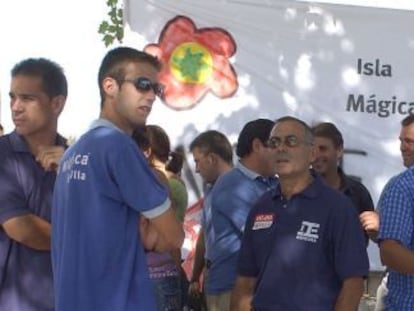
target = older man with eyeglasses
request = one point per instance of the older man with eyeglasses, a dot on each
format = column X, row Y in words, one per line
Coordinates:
column 301, row 248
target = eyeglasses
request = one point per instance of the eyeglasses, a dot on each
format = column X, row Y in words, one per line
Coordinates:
column 407, row 141
column 289, row 141
column 144, row 84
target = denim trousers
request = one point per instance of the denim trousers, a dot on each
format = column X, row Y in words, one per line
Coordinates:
column 168, row 293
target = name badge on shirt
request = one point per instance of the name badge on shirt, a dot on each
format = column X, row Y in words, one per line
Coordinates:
column 263, row 221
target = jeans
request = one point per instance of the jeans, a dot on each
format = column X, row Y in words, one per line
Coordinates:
column 167, row 293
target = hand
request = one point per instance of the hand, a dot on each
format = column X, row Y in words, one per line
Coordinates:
column 49, row 157
column 370, row 221
column 194, row 290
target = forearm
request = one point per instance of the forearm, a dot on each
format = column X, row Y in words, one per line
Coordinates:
column 169, row 232
column 242, row 294
column 350, row 294
column 29, row 230
column 396, row 256
column 198, row 265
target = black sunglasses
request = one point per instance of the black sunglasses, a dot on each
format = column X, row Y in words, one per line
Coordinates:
column 143, row 84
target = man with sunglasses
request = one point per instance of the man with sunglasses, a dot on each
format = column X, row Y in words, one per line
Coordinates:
column 301, row 249
column 104, row 184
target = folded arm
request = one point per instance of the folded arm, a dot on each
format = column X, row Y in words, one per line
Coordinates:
column 29, row 230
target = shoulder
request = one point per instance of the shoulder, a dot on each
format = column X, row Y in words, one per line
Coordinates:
column 231, row 179
column 5, row 146
column 108, row 140
column 353, row 183
column 265, row 204
column 401, row 182
column 266, row 199
column 176, row 184
column 398, row 192
column 105, row 148
column 229, row 176
column 358, row 193
column 160, row 176
column 328, row 198
column 108, row 135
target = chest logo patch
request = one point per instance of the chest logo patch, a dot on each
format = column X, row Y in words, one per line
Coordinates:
column 263, row 221
column 309, row 232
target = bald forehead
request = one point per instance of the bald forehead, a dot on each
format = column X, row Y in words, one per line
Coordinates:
column 287, row 125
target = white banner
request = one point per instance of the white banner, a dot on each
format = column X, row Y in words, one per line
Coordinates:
column 228, row 62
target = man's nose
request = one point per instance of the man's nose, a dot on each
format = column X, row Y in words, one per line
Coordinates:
column 16, row 104
column 151, row 94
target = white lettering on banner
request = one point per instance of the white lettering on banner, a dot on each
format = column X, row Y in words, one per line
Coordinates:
column 308, row 232
column 73, row 167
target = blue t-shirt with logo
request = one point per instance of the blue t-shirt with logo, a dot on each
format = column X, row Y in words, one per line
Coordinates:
column 300, row 250
column 103, row 185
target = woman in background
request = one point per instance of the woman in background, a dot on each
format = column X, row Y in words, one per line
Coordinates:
column 165, row 269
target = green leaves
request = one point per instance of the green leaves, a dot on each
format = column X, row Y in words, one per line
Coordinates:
column 113, row 29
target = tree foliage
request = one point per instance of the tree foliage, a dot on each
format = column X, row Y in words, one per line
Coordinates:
column 112, row 29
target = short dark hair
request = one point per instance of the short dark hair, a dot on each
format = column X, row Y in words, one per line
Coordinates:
column 330, row 131
column 259, row 128
column 214, row 142
column 306, row 127
column 408, row 120
column 113, row 64
column 54, row 81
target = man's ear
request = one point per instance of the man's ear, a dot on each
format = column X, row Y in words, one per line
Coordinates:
column 110, row 86
column 312, row 153
column 257, row 144
column 58, row 103
column 147, row 152
column 212, row 158
column 339, row 152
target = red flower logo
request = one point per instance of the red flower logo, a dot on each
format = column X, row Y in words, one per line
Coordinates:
column 195, row 61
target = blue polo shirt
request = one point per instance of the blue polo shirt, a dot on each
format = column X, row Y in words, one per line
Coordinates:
column 300, row 250
column 396, row 208
column 25, row 188
column 232, row 197
column 103, row 185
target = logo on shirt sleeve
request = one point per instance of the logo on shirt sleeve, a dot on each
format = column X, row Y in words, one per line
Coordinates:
column 263, row 221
